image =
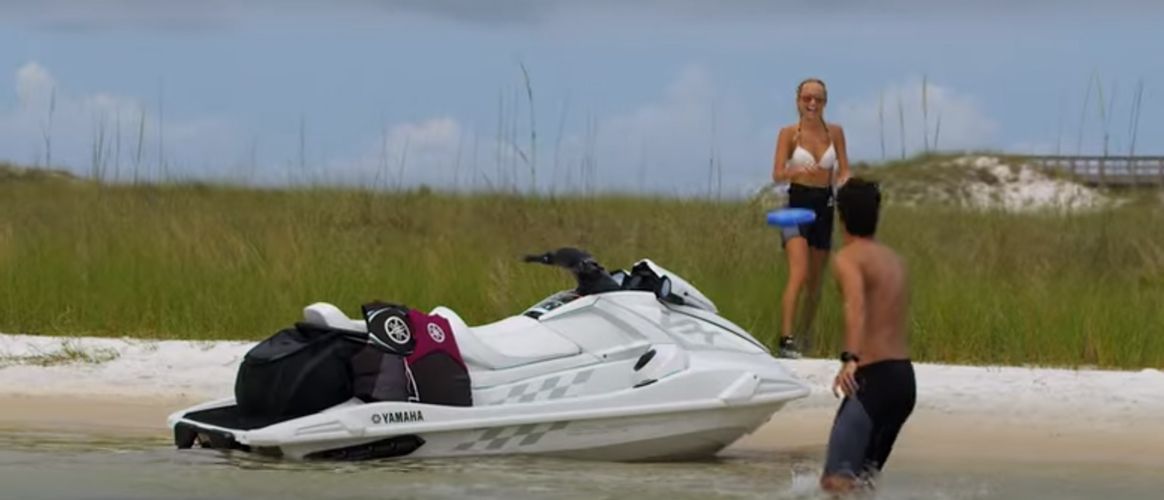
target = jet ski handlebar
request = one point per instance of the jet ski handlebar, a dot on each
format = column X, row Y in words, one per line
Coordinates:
column 591, row 276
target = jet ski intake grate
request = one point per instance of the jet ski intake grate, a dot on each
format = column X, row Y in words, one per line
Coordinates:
column 396, row 446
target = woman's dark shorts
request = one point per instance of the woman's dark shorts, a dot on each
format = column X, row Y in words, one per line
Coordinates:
column 819, row 232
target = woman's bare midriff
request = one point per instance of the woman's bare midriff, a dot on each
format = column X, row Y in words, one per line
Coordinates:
column 812, row 179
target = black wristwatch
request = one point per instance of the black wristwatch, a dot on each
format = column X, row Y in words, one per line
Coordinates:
column 847, row 356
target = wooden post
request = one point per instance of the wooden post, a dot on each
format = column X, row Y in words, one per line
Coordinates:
column 1103, row 171
column 1160, row 171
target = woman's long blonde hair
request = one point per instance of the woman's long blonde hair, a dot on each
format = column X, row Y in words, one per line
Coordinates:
column 826, row 97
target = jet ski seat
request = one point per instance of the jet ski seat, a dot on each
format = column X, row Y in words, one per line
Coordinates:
column 511, row 342
column 330, row 316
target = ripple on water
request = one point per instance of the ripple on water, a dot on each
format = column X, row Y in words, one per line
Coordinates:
column 48, row 465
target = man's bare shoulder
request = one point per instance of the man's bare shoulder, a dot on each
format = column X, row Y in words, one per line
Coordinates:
column 847, row 259
column 867, row 254
column 843, row 254
column 854, row 252
column 885, row 261
column 888, row 253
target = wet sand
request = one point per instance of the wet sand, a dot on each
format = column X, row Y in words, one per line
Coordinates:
column 973, row 437
column 800, row 429
column 975, row 413
column 129, row 416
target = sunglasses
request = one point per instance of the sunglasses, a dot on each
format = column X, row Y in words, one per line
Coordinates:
column 809, row 98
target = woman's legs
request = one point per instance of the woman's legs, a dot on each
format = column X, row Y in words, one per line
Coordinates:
column 798, row 269
column 807, row 249
column 818, row 260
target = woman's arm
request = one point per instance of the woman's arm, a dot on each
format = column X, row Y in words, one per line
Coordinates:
column 780, row 170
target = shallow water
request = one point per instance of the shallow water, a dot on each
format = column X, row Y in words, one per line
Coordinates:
column 39, row 465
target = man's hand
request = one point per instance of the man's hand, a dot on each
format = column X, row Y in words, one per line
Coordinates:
column 846, row 379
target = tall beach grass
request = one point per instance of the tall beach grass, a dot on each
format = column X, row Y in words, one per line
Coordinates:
column 199, row 261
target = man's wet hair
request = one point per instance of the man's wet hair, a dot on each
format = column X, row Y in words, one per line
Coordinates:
column 859, row 203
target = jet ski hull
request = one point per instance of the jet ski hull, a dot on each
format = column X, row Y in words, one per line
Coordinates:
column 637, row 424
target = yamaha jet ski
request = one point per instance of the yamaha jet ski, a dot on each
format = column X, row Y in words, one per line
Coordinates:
column 628, row 366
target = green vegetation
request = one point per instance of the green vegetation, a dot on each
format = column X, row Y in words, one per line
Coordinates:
column 200, row 261
column 69, row 353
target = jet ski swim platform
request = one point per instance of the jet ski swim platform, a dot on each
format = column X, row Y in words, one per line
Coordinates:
column 628, row 366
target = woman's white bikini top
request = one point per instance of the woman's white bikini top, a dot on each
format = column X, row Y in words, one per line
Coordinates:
column 802, row 158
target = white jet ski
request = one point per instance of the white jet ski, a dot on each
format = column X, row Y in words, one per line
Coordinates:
column 629, row 366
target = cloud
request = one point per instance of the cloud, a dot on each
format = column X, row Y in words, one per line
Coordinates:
column 695, row 138
column 963, row 122
column 87, row 132
column 429, row 151
column 532, row 12
column 49, row 125
column 665, row 145
column 34, row 84
column 444, row 153
column 73, row 15
column 763, row 12
column 669, row 144
column 490, row 12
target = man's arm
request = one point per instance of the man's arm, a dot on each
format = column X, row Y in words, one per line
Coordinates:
column 848, row 276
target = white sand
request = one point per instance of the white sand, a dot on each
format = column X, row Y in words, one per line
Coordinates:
column 132, row 384
column 1023, row 187
column 138, row 368
column 976, row 182
column 147, row 368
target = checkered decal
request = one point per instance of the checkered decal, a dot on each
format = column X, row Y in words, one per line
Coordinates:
column 551, row 388
column 498, row 437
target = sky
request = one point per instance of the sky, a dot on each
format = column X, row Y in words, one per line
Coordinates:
column 667, row 96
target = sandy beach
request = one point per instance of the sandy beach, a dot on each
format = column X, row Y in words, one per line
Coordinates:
column 128, row 386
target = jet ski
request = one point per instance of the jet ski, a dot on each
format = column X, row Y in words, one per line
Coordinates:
column 628, row 366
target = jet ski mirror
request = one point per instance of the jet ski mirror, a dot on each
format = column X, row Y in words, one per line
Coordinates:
column 663, row 291
column 619, row 277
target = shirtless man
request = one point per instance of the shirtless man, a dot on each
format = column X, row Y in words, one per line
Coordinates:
column 876, row 375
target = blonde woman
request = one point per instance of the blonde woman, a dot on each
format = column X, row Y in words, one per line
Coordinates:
column 811, row 157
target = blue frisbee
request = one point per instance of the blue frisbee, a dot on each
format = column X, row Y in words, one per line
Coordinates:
column 786, row 217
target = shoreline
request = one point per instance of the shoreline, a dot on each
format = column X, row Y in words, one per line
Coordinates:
column 126, row 388
column 798, row 429
column 929, row 435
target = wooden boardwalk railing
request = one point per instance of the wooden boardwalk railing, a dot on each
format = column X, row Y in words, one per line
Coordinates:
column 1108, row 171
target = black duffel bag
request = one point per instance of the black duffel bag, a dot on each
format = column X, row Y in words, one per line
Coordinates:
column 295, row 372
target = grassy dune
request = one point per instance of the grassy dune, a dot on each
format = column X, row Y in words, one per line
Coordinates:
column 207, row 262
